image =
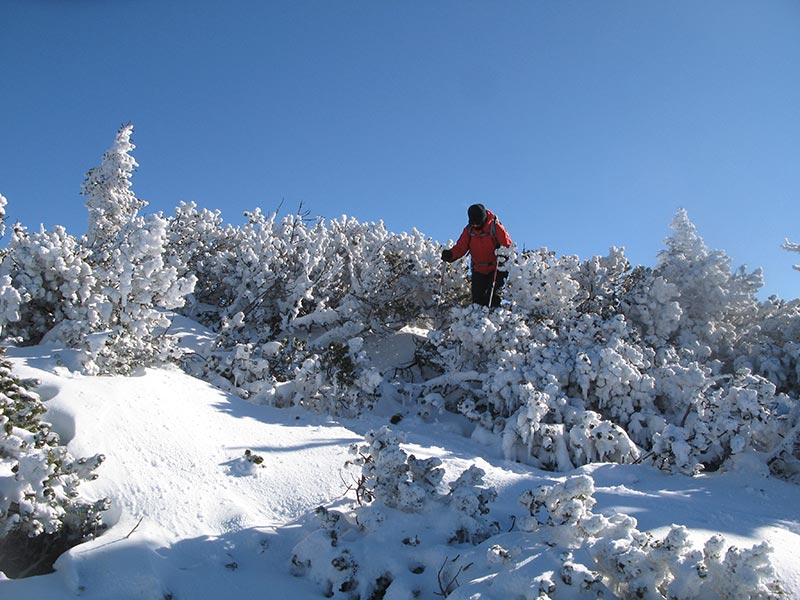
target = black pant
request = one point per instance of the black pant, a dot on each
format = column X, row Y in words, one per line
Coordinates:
column 482, row 287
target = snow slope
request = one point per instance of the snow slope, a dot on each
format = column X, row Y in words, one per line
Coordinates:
column 192, row 518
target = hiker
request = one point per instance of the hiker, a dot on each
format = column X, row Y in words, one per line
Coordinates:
column 481, row 238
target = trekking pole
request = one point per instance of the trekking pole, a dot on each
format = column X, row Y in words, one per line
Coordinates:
column 494, row 283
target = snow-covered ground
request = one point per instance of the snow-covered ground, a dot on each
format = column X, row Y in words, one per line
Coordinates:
column 192, row 518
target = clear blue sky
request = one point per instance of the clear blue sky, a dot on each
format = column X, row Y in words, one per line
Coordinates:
column 581, row 124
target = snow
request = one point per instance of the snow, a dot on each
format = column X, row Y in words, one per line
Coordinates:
column 194, row 517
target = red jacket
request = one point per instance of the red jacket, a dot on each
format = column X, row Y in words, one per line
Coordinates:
column 482, row 243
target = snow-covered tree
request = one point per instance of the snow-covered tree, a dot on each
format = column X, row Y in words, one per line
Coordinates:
column 716, row 304
column 106, row 293
column 53, row 282
column 137, row 286
column 134, row 278
column 10, row 298
column 109, row 197
column 42, row 513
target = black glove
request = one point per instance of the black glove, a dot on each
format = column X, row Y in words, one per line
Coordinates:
column 447, row 255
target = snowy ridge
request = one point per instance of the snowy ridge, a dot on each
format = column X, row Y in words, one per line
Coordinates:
column 376, row 392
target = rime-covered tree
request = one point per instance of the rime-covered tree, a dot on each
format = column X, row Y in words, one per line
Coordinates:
column 135, row 280
column 10, row 298
column 716, row 303
column 54, row 283
column 105, row 294
column 42, row 512
column 137, row 285
column 109, row 197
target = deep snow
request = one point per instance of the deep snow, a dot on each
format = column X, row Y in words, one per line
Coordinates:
column 192, row 518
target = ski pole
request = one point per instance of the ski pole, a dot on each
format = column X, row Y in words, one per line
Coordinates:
column 494, row 282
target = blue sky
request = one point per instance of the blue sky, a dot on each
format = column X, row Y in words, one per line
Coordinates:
column 581, row 124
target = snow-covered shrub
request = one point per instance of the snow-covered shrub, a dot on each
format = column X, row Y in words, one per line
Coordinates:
column 544, row 285
column 565, row 550
column 199, row 244
column 557, row 548
column 650, row 305
column 325, row 283
column 41, row 511
column 550, row 432
column 402, row 501
column 641, row 566
column 594, row 361
column 557, row 399
column 604, row 281
column 470, row 499
column 614, row 371
column 54, row 278
column 773, row 353
column 338, row 379
column 720, row 423
column 562, row 514
column 138, row 286
column 586, row 360
column 113, row 311
column 392, row 477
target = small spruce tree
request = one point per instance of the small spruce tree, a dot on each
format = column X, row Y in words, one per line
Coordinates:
column 42, row 513
column 109, row 197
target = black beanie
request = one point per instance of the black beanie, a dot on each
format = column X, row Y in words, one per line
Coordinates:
column 476, row 214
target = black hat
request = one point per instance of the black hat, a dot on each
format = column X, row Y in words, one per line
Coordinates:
column 477, row 214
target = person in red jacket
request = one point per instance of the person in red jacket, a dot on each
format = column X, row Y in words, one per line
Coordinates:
column 481, row 238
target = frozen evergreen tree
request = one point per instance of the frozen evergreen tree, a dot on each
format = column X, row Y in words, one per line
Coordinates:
column 137, row 286
column 53, row 284
column 109, row 197
column 135, row 282
column 10, row 298
column 42, row 513
column 105, row 294
column 716, row 304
